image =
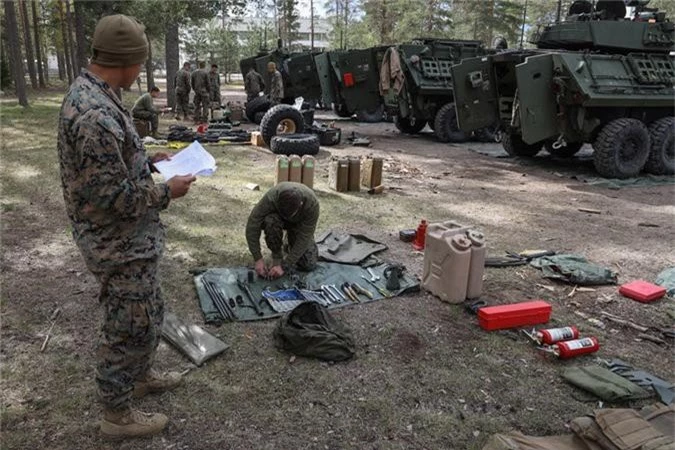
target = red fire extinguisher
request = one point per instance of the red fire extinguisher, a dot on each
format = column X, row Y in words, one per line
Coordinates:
column 577, row 347
column 552, row 335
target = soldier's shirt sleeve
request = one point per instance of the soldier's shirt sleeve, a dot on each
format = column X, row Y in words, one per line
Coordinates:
column 255, row 223
column 304, row 237
column 105, row 179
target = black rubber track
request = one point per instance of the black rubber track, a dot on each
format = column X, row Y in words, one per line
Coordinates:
column 295, row 144
column 621, row 148
column 661, row 159
column 270, row 123
column 445, row 125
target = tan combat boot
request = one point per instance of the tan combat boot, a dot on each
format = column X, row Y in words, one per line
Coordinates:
column 130, row 423
column 153, row 382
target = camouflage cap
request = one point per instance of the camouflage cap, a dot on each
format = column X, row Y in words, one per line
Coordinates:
column 119, row 41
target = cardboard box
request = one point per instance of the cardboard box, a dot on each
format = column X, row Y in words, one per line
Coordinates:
column 338, row 175
column 371, row 172
column 513, row 316
column 257, row 139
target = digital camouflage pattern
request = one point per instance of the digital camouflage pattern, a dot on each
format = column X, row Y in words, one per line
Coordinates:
column 113, row 206
column 144, row 109
column 183, row 88
column 276, row 87
column 214, row 82
column 202, row 86
column 300, row 228
column 253, row 84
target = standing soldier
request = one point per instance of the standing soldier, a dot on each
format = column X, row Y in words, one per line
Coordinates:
column 113, row 206
column 276, row 83
column 202, row 87
column 183, row 92
column 214, row 82
column 253, row 84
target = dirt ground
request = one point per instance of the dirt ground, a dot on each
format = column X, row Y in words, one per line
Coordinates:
column 425, row 375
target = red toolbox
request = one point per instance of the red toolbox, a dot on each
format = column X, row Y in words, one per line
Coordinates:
column 514, row 315
column 642, row 291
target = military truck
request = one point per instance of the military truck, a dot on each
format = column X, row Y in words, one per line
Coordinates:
column 298, row 72
column 350, row 82
column 416, row 84
column 599, row 77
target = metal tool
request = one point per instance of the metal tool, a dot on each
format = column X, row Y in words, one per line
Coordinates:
column 373, row 276
column 350, row 293
column 328, row 292
column 239, row 300
column 383, row 292
column 362, row 290
column 244, row 287
column 339, row 293
column 219, row 301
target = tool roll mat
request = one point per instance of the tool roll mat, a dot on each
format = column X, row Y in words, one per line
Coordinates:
column 274, row 297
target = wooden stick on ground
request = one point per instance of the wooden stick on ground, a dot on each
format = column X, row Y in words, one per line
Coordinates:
column 620, row 321
column 55, row 315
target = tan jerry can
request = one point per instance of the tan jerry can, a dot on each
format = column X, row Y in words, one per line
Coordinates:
column 308, row 163
column 295, row 169
column 338, row 174
column 447, row 261
column 371, row 172
column 354, row 180
column 281, row 169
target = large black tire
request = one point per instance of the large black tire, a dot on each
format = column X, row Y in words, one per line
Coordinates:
column 370, row 116
column 487, row 134
column 258, row 104
column 295, row 144
column 567, row 151
column 281, row 119
column 341, row 110
column 621, row 148
column 661, row 159
column 514, row 145
column 409, row 125
column 446, row 127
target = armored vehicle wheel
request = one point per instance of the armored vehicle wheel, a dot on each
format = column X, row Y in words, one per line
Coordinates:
column 258, row 104
column 621, row 148
column 514, row 145
column 370, row 116
column 566, row 151
column 487, row 134
column 409, row 125
column 295, row 144
column 341, row 110
column 445, row 125
column 281, row 119
column 661, row 159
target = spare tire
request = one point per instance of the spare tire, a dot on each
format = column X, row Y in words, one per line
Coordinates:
column 295, row 144
column 258, row 104
column 281, row 119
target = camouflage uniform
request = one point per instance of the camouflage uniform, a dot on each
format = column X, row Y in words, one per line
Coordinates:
column 266, row 216
column 144, row 109
column 201, row 86
column 214, row 82
column 253, row 84
column 276, row 87
column 113, row 205
column 183, row 93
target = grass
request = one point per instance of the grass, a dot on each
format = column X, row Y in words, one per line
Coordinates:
column 425, row 375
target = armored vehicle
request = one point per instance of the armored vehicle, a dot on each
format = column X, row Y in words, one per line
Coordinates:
column 602, row 76
column 298, row 72
column 416, row 84
column 350, row 82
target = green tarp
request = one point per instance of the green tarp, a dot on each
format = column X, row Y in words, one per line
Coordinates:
column 574, row 269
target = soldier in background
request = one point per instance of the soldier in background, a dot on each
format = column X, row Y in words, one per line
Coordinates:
column 253, row 84
column 276, row 83
column 288, row 206
column 202, row 87
column 113, row 205
column 144, row 109
column 214, row 82
column 183, row 92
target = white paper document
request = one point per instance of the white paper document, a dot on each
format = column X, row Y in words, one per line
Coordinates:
column 193, row 159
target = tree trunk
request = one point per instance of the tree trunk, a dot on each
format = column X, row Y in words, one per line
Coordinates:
column 66, row 45
column 172, row 55
column 14, row 47
column 71, row 47
column 346, row 25
column 38, row 44
column 311, row 23
column 45, row 68
column 80, row 39
column 28, row 44
column 61, row 62
column 149, row 67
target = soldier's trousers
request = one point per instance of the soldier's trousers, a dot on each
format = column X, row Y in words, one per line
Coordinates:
column 183, row 104
column 150, row 117
column 215, row 96
column 133, row 311
column 274, row 227
column 202, row 102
